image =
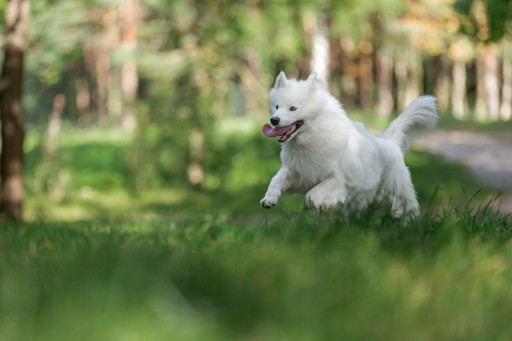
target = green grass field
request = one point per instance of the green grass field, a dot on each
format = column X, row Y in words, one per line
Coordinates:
column 97, row 260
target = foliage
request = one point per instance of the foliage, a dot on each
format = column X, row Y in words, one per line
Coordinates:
column 494, row 27
column 3, row 4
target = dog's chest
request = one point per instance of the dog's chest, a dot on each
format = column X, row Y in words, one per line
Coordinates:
column 309, row 167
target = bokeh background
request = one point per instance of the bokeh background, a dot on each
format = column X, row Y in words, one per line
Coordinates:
column 126, row 98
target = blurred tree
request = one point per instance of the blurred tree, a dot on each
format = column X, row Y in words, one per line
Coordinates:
column 359, row 50
column 11, row 108
column 486, row 22
column 506, row 93
column 86, row 52
column 129, row 19
column 460, row 52
column 385, row 102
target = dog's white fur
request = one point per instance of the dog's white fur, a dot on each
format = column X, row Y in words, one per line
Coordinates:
column 336, row 162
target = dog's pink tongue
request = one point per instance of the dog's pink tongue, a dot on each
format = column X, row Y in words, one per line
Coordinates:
column 274, row 132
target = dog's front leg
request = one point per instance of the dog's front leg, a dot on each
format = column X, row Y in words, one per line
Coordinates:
column 280, row 183
column 330, row 193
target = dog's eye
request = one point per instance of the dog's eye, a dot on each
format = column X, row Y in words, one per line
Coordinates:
column 277, row 106
column 293, row 108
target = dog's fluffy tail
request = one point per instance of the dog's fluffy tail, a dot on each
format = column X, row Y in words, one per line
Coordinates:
column 416, row 119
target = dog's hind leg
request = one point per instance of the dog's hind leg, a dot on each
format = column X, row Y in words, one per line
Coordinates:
column 327, row 194
column 401, row 193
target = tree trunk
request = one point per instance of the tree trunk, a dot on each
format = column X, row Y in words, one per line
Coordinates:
column 459, row 88
column 385, row 79
column 491, row 81
column 83, row 94
column 129, row 74
column 11, row 161
column 506, row 89
column 106, row 99
column 349, row 70
column 253, row 92
column 320, row 50
column 336, row 63
column 401, row 82
column 103, row 73
column 365, row 79
column 442, row 89
column 414, row 76
column 481, row 112
column 54, row 124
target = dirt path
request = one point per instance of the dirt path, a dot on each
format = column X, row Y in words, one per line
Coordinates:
column 489, row 159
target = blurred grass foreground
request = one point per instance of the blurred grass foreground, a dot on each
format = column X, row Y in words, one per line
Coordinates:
column 302, row 276
column 98, row 259
column 144, row 167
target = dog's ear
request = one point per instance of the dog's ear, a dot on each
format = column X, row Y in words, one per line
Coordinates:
column 311, row 81
column 281, row 80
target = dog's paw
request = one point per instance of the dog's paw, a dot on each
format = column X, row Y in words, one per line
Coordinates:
column 268, row 202
column 405, row 208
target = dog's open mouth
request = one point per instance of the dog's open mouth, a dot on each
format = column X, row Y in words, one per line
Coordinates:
column 282, row 133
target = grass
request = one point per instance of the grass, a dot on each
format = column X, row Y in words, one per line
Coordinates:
column 303, row 276
column 100, row 261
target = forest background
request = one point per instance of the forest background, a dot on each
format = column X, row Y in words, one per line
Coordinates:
column 188, row 80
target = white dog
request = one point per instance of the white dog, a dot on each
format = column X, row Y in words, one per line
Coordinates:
column 336, row 162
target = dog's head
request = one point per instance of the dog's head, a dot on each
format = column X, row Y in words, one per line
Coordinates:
column 291, row 104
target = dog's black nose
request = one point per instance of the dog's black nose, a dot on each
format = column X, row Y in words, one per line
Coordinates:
column 274, row 120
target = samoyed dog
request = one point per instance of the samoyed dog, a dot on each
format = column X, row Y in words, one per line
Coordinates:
column 336, row 162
